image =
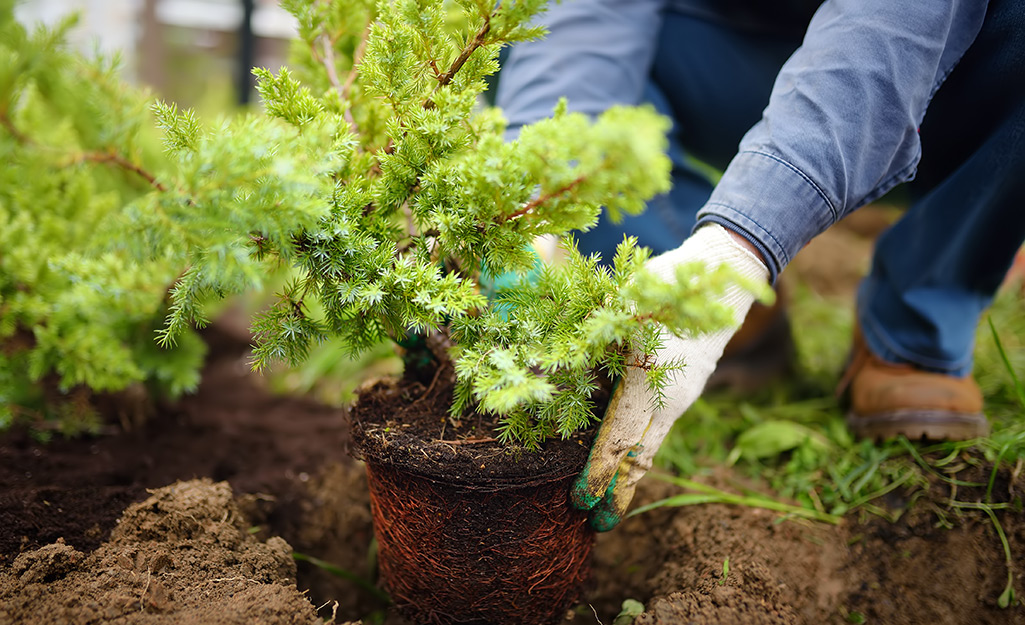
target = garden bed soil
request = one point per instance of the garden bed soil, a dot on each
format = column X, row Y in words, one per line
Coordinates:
column 192, row 552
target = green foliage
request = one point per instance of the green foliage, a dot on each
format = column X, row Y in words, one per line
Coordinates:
column 78, row 312
column 377, row 178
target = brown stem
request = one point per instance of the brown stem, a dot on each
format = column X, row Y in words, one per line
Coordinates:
column 123, row 163
column 357, row 56
column 470, row 48
column 479, row 40
column 436, row 69
column 526, row 208
column 327, row 59
column 413, row 241
column 19, row 136
column 93, row 157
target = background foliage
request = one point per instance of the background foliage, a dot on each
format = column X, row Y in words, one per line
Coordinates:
column 78, row 310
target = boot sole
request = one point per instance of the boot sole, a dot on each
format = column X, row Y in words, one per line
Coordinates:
column 932, row 425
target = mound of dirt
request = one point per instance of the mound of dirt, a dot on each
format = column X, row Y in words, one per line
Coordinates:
column 184, row 555
column 285, row 456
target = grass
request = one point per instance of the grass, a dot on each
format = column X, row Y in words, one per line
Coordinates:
column 792, row 437
column 708, row 494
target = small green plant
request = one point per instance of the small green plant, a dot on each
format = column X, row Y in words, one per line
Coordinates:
column 378, row 179
column 77, row 310
column 629, row 610
column 855, row 617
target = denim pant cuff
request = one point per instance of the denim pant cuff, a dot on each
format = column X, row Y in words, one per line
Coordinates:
column 886, row 348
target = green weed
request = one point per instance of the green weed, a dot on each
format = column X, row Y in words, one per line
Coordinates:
column 338, row 571
column 708, row 494
column 630, row 610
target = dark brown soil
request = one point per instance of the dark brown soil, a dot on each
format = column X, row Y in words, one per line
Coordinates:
column 183, row 555
column 285, row 460
column 406, row 424
column 286, row 456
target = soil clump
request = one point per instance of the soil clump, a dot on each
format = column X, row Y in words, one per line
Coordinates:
column 183, row 555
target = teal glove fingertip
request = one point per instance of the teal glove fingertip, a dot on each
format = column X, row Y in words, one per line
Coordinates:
column 604, row 516
column 581, row 495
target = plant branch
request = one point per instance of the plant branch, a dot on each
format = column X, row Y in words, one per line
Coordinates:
column 415, row 239
column 541, row 199
column 92, row 157
column 327, row 59
column 123, row 163
column 471, row 46
column 469, row 49
column 19, row 136
column 357, row 57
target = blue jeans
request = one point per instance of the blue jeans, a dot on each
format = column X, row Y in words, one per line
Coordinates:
column 936, row 270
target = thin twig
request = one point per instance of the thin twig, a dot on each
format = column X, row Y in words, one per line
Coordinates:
column 435, row 69
column 327, row 59
column 414, row 238
column 123, row 163
column 94, row 157
column 18, row 135
column 526, row 208
column 145, row 589
column 469, row 49
column 430, row 387
column 467, row 441
column 479, row 40
column 357, row 56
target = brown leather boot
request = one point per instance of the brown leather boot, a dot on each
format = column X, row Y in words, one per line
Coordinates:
column 761, row 352
column 887, row 400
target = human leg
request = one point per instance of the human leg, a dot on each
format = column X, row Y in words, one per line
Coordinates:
column 937, row 269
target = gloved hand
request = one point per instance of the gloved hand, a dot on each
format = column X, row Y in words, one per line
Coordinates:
column 633, row 429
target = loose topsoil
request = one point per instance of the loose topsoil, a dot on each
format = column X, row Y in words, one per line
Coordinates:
column 196, row 551
column 405, row 424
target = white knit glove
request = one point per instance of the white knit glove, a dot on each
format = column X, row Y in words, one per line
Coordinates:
column 632, row 430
